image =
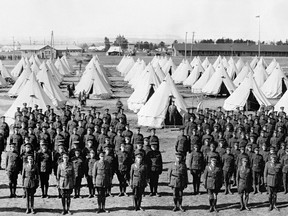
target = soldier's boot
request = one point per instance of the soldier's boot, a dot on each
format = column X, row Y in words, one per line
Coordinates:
column 229, row 189
column 75, row 193
column 156, row 190
column 63, row 205
column 68, row 205
column 32, row 204
column 14, row 190
column 285, row 186
column 99, row 204
column 180, row 204
column 274, row 202
column 11, row 190
column 258, row 188
column 27, row 205
column 241, row 203
column 214, row 205
column 135, row 203
column 195, row 188
column 42, row 190
column 59, row 194
column 121, row 191
column 270, row 204
column 246, row 203
column 226, row 189
column 46, row 190
column 254, row 189
column 211, row 209
column 103, row 205
column 124, row 191
column 175, row 204
column 139, row 203
column 198, row 187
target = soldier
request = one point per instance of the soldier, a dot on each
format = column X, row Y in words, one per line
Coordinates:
column 284, row 163
column 228, row 161
column 44, row 163
column 119, row 105
column 16, row 138
column 127, row 132
column 213, row 179
column 155, row 168
column 2, row 144
column 244, row 184
column 74, row 137
column 30, row 182
column 212, row 153
column 136, row 136
column 272, row 179
column 172, row 109
column 57, row 160
column 101, row 180
column 257, row 164
column 196, row 167
column 124, row 164
column 138, row 180
column 12, row 168
column 90, row 161
column 6, row 130
column 178, row 180
column 153, row 137
column 110, row 158
column 182, row 144
column 194, row 139
column 107, row 116
column 78, row 164
column 66, row 181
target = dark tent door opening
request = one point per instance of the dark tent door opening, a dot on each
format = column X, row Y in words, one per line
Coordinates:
column 174, row 119
column 223, row 90
column 284, row 87
column 252, row 103
column 151, row 92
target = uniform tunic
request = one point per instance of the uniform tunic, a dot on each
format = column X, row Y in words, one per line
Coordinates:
column 213, row 178
column 244, row 179
column 101, row 174
column 138, row 175
column 177, row 176
column 30, row 175
column 66, row 176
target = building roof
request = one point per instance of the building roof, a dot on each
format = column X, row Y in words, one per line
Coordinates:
column 231, row 46
column 36, row 47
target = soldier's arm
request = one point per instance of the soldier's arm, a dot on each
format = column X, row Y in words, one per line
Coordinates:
column 265, row 173
column 7, row 159
column 131, row 174
column 169, row 174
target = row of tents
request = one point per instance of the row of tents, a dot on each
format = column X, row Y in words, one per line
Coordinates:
column 248, row 85
column 38, row 83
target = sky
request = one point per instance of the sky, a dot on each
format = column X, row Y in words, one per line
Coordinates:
column 76, row 20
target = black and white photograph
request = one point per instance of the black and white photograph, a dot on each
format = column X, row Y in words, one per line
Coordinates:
column 144, row 107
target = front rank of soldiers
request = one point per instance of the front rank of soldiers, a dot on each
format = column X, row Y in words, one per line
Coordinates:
column 227, row 149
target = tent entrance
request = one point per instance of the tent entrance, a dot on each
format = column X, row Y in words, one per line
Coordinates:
column 151, row 92
column 91, row 90
column 251, row 103
column 223, row 90
column 172, row 119
column 284, row 87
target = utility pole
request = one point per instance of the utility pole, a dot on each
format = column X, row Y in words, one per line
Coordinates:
column 259, row 43
column 185, row 45
column 193, row 34
column 13, row 48
column 52, row 46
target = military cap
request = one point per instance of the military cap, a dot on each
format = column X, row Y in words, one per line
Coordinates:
column 2, row 116
column 249, row 145
column 242, row 147
column 256, row 147
column 273, row 156
column 92, row 150
column 61, row 141
column 65, row 153
column 28, row 144
column 245, row 159
column 107, row 146
column 212, row 144
column 90, row 139
column 213, row 157
column 15, row 126
column 138, row 153
column 106, row 109
column 139, row 141
column 12, row 144
column 150, row 129
column 221, row 140
column 77, row 150
column 154, row 143
column 228, row 147
column 272, row 148
column 102, row 154
column 44, row 143
column 146, row 139
column 76, row 142
column 25, row 104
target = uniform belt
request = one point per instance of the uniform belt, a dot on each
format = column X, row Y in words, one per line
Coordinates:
column 175, row 175
column 271, row 174
column 136, row 175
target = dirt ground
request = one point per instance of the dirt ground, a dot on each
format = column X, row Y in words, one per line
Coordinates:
column 196, row 205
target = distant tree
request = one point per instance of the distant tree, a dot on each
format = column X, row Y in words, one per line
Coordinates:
column 84, row 46
column 175, row 42
column 121, row 41
column 106, row 43
column 206, row 41
column 224, row 40
column 150, row 46
column 146, row 45
column 161, row 44
column 93, row 45
column 155, row 46
column 279, row 42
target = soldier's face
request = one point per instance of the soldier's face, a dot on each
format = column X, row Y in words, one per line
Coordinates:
column 92, row 154
column 101, row 157
column 213, row 162
column 138, row 159
column 12, row 148
column 273, row 159
column 65, row 158
column 30, row 160
column 44, row 148
column 228, row 151
column 77, row 153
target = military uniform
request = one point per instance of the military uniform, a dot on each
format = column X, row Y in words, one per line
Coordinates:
column 272, row 180
column 257, row 164
column 182, row 145
column 228, row 162
column 155, row 169
column 284, row 163
column 78, row 164
column 196, row 167
column 13, row 163
column 244, row 184
column 124, row 164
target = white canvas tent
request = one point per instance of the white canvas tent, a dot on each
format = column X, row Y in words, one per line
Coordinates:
column 205, row 63
column 127, row 65
column 240, row 64
column 254, row 62
column 276, row 84
column 283, row 102
column 61, row 68
column 220, row 83
column 271, row 66
column 17, row 70
column 49, row 86
column 242, row 74
column 55, row 73
column 138, row 73
column 260, row 74
column 153, row 113
column 32, row 94
column 4, row 72
column 202, row 81
column 159, row 72
column 182, row 72
column 133, row 70
column 3, row 82
column 248, row 96
column 169, row 67
column 217, row 62
column 93, row 84
column 68, row 65
column 195, row 74
column 143, row 91
column 119, row 67
column 20, row 82
column 148, row 71
column 232, row 70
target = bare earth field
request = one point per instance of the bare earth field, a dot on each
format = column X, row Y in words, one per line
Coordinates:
column 196, row 205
